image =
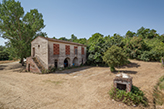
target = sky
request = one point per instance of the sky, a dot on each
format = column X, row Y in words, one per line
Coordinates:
column 83, row 18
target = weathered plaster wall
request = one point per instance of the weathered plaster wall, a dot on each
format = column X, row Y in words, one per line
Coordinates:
column 42, row 51
column 62, row 56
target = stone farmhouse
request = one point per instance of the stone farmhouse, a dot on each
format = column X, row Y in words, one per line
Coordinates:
column 48, row 52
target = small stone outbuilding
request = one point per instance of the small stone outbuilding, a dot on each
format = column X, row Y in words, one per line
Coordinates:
column 48, row 52
column 123, row 82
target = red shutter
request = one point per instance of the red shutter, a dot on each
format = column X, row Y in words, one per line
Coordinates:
column 56, row 49
column 67, row 49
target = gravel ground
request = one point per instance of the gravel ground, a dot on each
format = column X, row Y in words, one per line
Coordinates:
column 80, row 88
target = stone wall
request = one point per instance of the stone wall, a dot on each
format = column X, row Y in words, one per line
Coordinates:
column 31, row 65
column 62, row 55
column 40, row 46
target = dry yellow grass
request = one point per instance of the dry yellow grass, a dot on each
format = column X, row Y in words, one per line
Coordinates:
column 80, row 88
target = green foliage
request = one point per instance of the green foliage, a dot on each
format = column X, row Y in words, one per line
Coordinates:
column 3, row 53
column 96, row 50
column 130, row 34
column 112, row 69
column 161, row 85
column 19, row 28
column 147, row 33
column 158, row 92
column 63, row 38
column 52, row 69
column 115, row 56
column 135, row 97
column 45, row 71
column 116, row 39
column 135, row 47
column 94, row 38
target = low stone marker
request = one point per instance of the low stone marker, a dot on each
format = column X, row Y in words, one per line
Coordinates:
column 123, row 82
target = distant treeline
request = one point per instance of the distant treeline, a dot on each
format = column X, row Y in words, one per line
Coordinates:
column 145, row 45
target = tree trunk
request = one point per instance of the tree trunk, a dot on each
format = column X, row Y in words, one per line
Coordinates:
column 22, row 61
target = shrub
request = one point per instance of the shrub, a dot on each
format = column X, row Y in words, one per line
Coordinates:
column 135, row 97
column 52, row 69
column 45, row 71
column 114, row 57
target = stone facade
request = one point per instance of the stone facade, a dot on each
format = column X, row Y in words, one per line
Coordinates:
column 52, row 52
column 31, row 65
column 123, row 82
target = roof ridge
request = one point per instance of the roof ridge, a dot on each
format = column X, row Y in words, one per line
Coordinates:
column 58, row 40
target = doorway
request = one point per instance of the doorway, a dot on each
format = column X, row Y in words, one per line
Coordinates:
column 66, row 62
column 82, row 61
column 56, row 63
column 29, row 67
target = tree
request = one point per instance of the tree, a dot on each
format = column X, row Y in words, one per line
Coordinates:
column 147, row 33
column 82, row 41
column 63, row 38
column 130, row 33
column 3, row 53
column 73, row 38
column 43, row 34
column 96, row 50
column 117, row 40
column 115, row 56
column 135, row 47
column 19, row 28
column 94, row 38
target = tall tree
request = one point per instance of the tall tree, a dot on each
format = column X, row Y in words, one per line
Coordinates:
column 94, row 38
column 19, row 28
column 130, row 33
column 73, row 38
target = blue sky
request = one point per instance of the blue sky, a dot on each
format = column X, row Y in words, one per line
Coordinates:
column 86, row 17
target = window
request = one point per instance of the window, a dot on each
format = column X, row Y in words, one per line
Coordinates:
column 56, row 49
column 82, row 50
column 75, row 50
column 67, row 49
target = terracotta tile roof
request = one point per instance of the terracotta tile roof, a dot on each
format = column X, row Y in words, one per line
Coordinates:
column 61, row 41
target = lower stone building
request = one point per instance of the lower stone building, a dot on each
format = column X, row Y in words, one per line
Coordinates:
column 48, row 52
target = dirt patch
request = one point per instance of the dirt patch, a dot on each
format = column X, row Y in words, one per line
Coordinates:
column 83, row 88
column 7, row 61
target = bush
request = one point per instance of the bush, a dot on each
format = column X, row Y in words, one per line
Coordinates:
column 52, row 69
column 114, row 57
column 112, row 69
column 45, row 71
column 135, row 97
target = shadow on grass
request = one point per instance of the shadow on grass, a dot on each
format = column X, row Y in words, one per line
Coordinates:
column 2, row 67
column 130, row 65
column 72, row 70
